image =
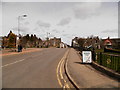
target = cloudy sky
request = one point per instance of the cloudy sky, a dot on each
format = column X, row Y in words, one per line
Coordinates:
column 61, row 19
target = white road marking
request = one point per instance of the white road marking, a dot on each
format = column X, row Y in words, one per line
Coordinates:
column 12, row 63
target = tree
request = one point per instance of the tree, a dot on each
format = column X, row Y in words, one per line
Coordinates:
column 27, row 37
column 81, row 41
column 11, row 40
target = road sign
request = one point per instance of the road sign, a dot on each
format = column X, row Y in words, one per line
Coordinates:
column 86, row 57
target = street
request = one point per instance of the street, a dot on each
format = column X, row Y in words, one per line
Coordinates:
column 45, row 68
column 59, row 44
column 32, row 70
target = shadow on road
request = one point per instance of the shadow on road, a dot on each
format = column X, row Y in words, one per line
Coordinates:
column 83, row 63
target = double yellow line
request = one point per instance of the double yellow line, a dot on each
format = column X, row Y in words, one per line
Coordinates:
column 59, row 72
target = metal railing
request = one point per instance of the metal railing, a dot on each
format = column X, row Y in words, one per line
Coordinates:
column 108, row 60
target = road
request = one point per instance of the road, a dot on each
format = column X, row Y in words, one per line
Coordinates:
column 45, row 69
column 32, row 70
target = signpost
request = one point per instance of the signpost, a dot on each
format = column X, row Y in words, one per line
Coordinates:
column 87, row 57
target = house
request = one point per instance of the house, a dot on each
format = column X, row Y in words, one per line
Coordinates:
column 93, row 42
column 63, row 45
column 113, row 43
column 30, row 41
column 54, row 42
column 75, row 42
column 45, row 43
column 90, row 42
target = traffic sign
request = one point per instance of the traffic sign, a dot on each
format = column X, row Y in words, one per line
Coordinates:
column 86, row 57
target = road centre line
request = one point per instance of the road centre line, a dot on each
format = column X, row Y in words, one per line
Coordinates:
column 65, row 82
column 59, row 68
column 12, row 63
column 57, row 73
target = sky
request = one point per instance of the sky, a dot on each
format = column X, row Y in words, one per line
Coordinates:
column 61, row 19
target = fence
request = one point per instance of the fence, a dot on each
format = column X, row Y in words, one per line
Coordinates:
column 108, row 60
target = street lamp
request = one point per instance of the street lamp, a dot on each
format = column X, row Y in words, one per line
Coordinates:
column 19, row 17
column 48, row 35
column 18, row 36
column 48, row 39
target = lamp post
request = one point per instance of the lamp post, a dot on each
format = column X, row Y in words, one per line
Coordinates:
column 18, row 36
column 48, row 35
column 19, row 17
column 48, row 39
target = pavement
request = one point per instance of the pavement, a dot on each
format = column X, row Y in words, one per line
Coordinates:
column 5, row 52
column 32, row 70
column 85, row 76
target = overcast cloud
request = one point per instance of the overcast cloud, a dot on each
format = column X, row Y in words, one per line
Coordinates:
column 43, row 24
column 110, row 31
column 55, row 31
column 62, row 19
column 86, row 10
column 26, row 23
column 61, row 1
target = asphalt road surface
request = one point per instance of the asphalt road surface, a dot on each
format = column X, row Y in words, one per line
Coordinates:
column 32, row 70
